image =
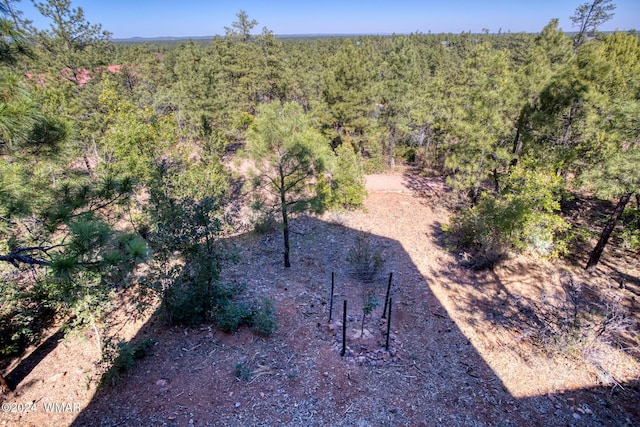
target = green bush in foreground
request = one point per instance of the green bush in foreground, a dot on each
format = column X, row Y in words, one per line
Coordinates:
column 118, row 357
column 264, row 321
column 522, row 218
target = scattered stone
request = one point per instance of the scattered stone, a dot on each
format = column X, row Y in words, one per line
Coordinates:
column 237, row 405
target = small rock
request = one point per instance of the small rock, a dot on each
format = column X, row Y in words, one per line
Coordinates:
column 576, row 416
column 237, row 405
column 162, row 382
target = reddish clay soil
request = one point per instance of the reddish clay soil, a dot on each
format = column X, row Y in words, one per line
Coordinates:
column 462, row 352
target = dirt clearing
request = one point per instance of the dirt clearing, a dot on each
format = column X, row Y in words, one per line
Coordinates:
column 461, row 349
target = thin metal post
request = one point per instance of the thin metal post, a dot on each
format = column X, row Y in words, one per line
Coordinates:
column 386, row 347
column 386, row 298
column 331, row 300
column 344, row 329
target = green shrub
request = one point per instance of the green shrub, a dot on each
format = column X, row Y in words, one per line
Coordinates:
column 243, row 371
column 348, row 183
column 263, row 320
column 631, row 231
column 24, row 314
column 232, row 315
column 265, row 223
column 406, row 152
column 188, row 303
column 365, row 262
column 118, row 357
column 521, row 218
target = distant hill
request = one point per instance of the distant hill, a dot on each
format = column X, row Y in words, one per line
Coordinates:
column 169, row 39
column 159, row 39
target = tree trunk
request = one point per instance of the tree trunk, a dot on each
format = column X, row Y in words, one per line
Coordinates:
column 517, row 147
column 421, row 136
column 428, row 146
column 285, row 231
column 475, row 192
column 607, row 230
column 496, row 181
column 285, row 220
column 392, row 148
column 567, row 131
column 4, row 387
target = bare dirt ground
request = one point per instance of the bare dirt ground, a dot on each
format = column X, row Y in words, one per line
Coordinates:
column 462, row 349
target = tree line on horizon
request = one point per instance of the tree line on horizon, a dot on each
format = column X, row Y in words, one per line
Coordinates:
column 119, row 179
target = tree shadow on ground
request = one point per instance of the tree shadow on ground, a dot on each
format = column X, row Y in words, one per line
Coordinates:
column 590, row 214
column 433, row 374
column 28, row 363
column 560, row 321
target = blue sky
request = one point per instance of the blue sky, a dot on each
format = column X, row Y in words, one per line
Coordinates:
column 151, row 18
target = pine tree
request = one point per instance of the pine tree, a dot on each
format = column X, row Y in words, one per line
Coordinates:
column 611, row 164
column 72, row 47
column 290, row 159
column 56, row 228
column 484, row 121
column 348, row 95
column 588, row 17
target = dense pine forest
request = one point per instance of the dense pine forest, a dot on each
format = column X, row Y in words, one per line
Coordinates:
column 124, row 167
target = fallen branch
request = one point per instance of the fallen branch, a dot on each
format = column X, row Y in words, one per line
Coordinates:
column 262, row 370
column 18, row 256
column 17, row 259
column 419, row 370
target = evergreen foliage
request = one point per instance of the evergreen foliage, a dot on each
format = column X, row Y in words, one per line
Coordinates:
column 523, row 217
column 347, row 182
column 291, row 161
